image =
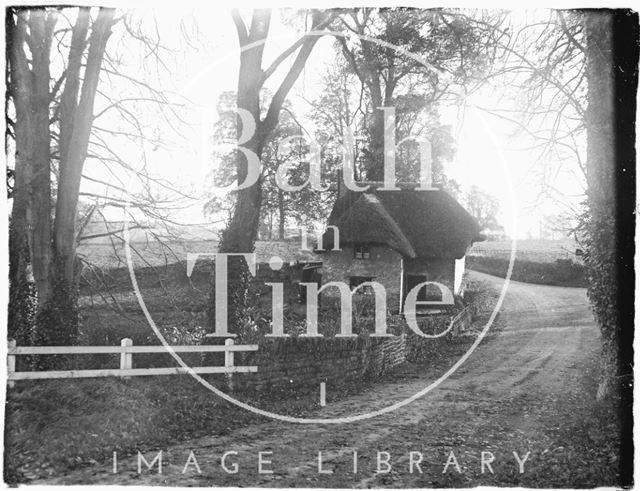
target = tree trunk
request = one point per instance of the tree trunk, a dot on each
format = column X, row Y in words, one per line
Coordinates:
column 21, row 290
column 57, row 320
column 74, row 144
column 270, row 225
column 601, row 164
column 612, row 57
column 374, row 154
column 40, row 159
column 375, row 151
column 240, row 237
column 281, row 212
column 50, row 249
column 30, row 229
column 241, row 233
column 30, row 91
column 612, row 74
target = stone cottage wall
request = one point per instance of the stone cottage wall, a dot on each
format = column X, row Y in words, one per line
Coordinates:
column 384, row 266
column 440, row 270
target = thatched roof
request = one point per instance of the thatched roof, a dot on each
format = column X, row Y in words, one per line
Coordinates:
column 413, row 222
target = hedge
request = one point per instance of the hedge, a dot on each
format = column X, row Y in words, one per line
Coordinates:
column 562, row 272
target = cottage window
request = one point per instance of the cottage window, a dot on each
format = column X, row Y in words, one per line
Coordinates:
column 355, row 281
column 361, row 252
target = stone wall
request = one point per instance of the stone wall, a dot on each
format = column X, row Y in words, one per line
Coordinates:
column 300, row 364
column 419, row 349
column 423, row 350
column 303, row 363
column 384, row 266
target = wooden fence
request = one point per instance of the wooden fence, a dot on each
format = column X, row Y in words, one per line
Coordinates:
column 462, row 320
column 126, row 350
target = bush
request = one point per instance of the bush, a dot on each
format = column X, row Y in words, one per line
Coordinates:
column 480, row 297
column 562, row 272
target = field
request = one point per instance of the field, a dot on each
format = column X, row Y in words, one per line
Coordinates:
column 153, row 253
column 529, row 250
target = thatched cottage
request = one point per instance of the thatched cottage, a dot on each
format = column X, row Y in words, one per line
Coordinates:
column 400, row 239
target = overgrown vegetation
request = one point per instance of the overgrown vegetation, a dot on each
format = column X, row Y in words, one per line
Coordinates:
column 600, row 222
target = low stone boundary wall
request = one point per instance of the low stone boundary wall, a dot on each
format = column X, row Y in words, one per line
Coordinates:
column 419, row 349
column 300, row 363
column 303, row 363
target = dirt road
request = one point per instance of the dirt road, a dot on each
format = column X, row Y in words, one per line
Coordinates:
column 504, row 399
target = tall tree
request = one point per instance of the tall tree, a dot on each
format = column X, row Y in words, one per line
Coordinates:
column 62, row 152
column 482, row 206
column 612, row 39
column 242, row 230
column 604, row 164
column 340, row 108
column 345, row 106
column 287, row 149
column 455, row 46
column 43, row 222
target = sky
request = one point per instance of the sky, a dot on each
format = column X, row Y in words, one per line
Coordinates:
column 202, row 62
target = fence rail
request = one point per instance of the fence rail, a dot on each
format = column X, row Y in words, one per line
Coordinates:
column 126, row 351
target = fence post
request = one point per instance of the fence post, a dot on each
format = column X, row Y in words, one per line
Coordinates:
column 228, row 362
column 11, row 362
column 126, row 359
column 228, row 355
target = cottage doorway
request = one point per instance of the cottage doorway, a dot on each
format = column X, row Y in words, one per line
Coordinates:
column 310, row 274
column 412, row 281
column 428, row 293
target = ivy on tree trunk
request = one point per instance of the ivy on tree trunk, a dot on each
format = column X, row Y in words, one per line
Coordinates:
column 43, row 222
